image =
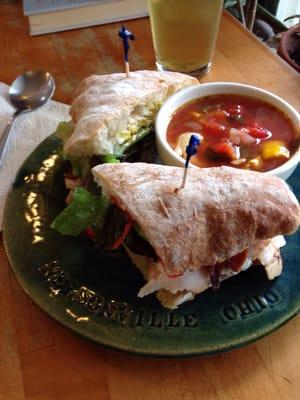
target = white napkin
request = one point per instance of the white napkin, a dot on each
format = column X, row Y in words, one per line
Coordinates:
column 27, row 132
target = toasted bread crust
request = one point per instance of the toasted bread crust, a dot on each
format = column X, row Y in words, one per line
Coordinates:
column 221, row 211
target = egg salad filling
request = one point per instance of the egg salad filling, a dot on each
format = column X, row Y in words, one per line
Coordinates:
column 141, row 117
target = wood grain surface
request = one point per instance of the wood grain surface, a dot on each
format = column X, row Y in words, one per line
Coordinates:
column 41, row 360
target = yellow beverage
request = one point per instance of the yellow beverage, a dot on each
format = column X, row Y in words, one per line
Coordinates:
column 184, row 32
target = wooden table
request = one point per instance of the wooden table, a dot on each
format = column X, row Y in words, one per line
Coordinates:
column 41, row 360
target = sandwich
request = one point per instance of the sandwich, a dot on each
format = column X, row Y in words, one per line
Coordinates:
column 110, row 112
column 185, row 241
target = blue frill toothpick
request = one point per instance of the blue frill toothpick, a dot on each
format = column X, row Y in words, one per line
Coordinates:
column 191, row 149
column 125, row 35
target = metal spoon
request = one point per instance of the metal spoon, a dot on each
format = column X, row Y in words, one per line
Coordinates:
column 28, row 92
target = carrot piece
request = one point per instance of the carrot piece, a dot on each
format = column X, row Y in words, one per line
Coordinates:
column 124, row 234
column 224, row 149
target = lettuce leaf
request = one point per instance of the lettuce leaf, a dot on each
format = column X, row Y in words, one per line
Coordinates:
column 85, row 209
column 109, row 159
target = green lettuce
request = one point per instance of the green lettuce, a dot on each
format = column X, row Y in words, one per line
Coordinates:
column 109, row 159
column 89, row 208
column 85, row 210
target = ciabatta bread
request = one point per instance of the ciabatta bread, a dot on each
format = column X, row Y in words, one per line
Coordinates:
column 109, row 109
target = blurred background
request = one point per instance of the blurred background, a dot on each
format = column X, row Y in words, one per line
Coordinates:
column 275, row 22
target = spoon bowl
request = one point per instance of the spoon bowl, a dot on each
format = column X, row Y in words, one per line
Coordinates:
column 31, row 90
column 28, row 92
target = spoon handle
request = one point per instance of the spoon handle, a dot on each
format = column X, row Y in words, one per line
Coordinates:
column 5, row 134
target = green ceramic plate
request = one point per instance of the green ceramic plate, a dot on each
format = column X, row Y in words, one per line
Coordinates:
column 94, row 294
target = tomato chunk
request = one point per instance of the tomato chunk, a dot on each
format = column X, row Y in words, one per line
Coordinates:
column 224, row 149
column 236, row 262
column 214, row 128
column 90, row 233
column 234, row 109
column 259, row 132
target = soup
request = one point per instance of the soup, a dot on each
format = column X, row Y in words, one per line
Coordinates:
column 234, row 130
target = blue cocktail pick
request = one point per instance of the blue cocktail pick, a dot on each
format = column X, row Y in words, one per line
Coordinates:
column 126, row 35
column 191, row 149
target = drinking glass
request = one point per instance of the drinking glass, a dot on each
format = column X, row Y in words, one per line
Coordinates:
column 184, row 33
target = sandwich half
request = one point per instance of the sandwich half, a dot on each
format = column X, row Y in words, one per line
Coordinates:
column 185, row 241
column 110, row 112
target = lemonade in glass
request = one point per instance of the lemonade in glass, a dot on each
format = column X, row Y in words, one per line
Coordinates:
column 184, row 33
